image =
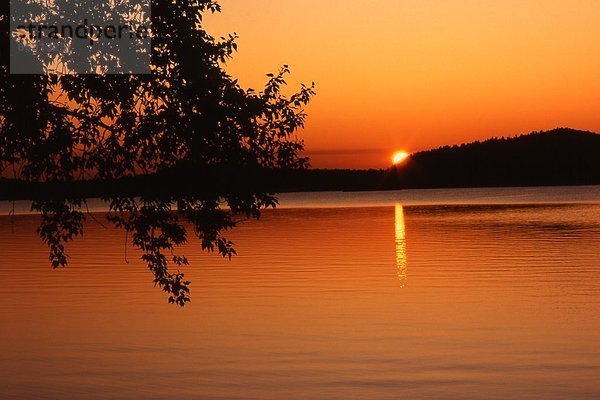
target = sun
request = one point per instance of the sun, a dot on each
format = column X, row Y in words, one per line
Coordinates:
column 399, row 157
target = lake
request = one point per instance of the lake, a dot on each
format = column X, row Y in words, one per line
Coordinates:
column 440, row 294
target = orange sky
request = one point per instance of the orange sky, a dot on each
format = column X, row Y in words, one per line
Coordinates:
column 416, row 74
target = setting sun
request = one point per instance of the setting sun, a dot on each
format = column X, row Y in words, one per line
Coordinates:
column 399, row 157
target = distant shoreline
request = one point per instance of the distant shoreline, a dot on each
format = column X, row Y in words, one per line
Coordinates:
column 561, row 157
column 307, row 181
column 445, row 197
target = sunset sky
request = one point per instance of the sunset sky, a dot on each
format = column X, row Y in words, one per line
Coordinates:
column 415, row 74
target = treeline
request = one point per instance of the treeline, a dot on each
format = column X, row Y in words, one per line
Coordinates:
column 558, row 157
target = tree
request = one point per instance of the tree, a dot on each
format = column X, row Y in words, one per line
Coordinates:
column 187, row 114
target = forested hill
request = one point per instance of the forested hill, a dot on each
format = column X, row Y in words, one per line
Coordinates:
column 557, row 157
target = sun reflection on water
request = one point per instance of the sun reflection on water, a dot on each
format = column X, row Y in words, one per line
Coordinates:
column 400, row 228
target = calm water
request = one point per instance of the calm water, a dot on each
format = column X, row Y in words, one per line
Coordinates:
column 376, row 296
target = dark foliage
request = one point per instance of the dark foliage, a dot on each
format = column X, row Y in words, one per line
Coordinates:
column 58, row 131
column 557, row 157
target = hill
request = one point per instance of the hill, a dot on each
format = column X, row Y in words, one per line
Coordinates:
column 557, row 157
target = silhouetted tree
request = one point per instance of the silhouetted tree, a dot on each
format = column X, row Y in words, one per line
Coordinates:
column 188, row 114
